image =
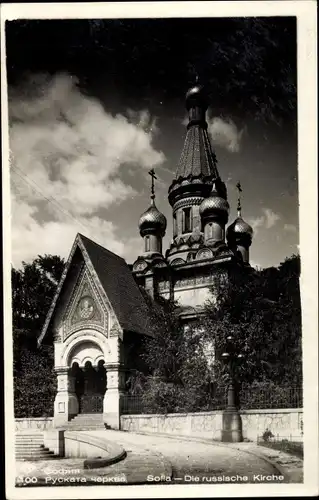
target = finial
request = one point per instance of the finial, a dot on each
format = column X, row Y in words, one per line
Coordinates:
column 152, row 174
column 238, row 186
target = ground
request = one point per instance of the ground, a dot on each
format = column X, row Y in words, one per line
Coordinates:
column 154, row 458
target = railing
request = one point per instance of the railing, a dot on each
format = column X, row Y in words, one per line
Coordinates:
column 288, row 444
column 135, row 404
column 275, row 397
column 250, row 398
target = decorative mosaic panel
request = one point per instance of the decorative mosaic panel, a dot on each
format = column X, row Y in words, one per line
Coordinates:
column 86, row 308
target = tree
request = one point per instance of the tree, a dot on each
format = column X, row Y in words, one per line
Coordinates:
column 180, row 378
column 33, row 288
column 259, row 309
column 262, row 312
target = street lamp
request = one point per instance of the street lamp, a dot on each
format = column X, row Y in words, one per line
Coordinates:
column 232, row 424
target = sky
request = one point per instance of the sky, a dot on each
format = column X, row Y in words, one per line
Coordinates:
column 95, row 104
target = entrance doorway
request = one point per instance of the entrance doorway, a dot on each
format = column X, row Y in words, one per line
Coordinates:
column 90, row 386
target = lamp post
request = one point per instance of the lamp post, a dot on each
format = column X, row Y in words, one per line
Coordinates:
column 232, row 424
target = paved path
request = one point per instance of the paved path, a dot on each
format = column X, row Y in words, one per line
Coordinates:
column 189, row 459
column 154, row 458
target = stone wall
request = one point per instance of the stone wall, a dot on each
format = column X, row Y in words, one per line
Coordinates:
column 34, row 424
column 283, row 422
column 205, row 424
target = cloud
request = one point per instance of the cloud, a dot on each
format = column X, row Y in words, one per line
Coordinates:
column 67, row 148
column 225, row 133
column 256, row 223
column 290, row 228
column 268, row 220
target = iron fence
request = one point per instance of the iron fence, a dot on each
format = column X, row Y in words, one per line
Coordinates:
column 250, row 398
column 289, row 444
column 278, row 438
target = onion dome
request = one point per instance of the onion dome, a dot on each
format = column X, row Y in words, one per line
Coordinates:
column 239, row 231
column 214, row 206
column 239, row 227
column 152, row 221
column 196, row 96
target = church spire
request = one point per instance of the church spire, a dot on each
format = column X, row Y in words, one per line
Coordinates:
column 195, row 175
column 197, row 159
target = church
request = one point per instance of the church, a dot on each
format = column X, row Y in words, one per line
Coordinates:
column 99, row 314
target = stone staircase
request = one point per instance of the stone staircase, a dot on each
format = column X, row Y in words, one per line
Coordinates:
column 86, row 421
column 29, row 446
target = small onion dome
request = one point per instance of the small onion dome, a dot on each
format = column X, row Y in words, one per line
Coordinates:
column 239, row 232
column 196, row 96
column 239, row 226
column 215, row 206
column 152, row 221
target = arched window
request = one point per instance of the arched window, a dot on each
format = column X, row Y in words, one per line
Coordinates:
column 187, row 221
column 147, row 243
column 174, row 225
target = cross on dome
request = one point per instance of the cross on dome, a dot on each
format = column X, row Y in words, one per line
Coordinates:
column 153, row 176
column 239, row 189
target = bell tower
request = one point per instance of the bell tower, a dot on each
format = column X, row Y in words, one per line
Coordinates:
column 195, row 176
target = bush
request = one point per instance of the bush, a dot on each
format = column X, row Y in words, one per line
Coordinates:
column 34, row 383
column 267, row 435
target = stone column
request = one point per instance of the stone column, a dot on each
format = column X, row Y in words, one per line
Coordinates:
column 114, row 394
column 66, row 403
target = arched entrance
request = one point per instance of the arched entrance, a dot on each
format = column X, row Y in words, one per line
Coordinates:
column 90, row 386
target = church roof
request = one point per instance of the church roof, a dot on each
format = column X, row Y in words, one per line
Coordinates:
column 120, row 287
column 117, row 282
column 197, row 159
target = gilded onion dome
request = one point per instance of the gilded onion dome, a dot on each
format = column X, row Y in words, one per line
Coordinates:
column 239, row 230
column 239, row 227
column 196, row 96
column 214, row 205
column 152, row 221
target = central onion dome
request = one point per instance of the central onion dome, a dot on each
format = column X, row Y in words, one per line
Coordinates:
column 196, row 96
column 214, row 206
column 152, row 221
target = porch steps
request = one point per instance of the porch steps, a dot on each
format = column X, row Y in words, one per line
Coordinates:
column 86, row 421
column 30, row 447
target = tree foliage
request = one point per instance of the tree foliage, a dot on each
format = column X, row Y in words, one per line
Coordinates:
column 33, row 288
column 248, row 63
column 180, row 376
column 259, row 309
